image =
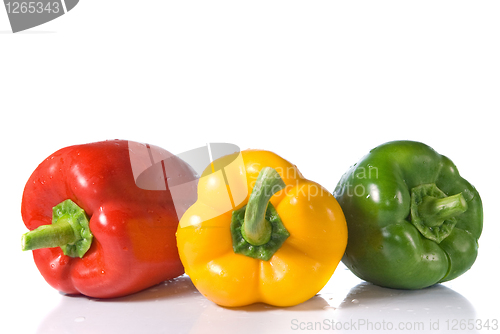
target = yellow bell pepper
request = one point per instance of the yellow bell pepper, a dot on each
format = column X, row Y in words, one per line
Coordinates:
column 260, row 232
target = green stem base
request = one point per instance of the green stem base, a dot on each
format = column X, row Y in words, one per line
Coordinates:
column 257, row 229
column 433, row 213
column 265, row 251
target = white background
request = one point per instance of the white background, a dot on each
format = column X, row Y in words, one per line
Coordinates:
column 318, row 82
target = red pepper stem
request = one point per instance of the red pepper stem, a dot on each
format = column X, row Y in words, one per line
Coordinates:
column 69, row 230
column 256, row 230
column 46, row 236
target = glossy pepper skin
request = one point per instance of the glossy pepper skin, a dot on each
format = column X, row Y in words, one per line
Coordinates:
column 299, row 268
column 133, row 245
column 413, row 220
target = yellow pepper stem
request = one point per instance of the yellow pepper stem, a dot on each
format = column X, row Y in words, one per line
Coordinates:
column 256, row 229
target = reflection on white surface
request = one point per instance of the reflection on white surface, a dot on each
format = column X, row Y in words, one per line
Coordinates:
column 167, row 307
column 368, row 307
column 177, row 307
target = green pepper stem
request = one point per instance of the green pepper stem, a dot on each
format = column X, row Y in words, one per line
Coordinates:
column 434, row 211
column 256, row 230
column 46, row 236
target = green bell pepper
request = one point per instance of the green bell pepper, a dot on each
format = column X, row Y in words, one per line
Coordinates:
column 413, row 221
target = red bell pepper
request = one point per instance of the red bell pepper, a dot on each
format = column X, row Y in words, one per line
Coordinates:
column 93, row 230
